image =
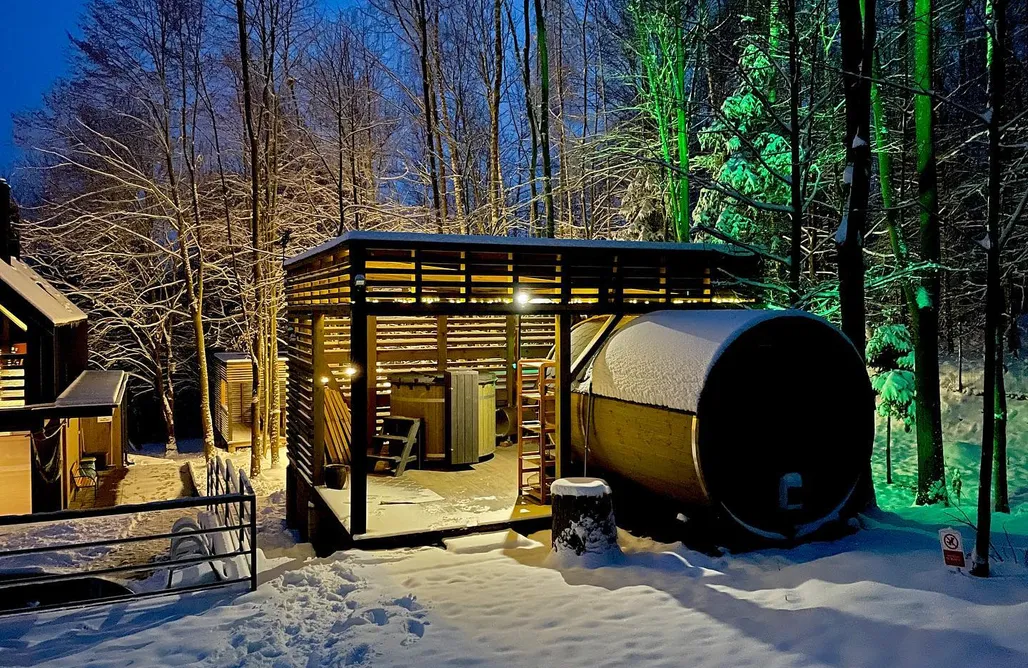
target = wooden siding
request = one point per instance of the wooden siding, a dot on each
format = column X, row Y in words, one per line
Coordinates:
column 429, row 275
column 16, row 473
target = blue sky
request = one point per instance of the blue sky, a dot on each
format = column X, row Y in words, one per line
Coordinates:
column 33, row 53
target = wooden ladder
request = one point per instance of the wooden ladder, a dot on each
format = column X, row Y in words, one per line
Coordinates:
column 536, row 427
column 395, row 444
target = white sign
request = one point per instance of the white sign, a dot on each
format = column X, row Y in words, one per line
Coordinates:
column 105, row 418
column 952, row 548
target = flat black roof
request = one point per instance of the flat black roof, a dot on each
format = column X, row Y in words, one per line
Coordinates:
column 94, row 389
column 92, row 394
column 497, row 243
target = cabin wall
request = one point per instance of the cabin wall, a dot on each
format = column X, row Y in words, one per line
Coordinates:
column 436, row 343
column 72, row 455
column 71, row 354
column 13, row 351
column 16, row 473
column 97, row 438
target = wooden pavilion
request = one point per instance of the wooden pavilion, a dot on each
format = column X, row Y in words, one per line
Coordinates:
column 368, row 308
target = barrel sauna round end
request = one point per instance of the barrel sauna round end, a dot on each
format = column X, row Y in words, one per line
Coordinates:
column 583, row 518
column 762, row 420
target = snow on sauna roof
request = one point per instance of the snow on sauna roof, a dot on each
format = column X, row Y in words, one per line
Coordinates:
column 401, row 239
column 39, row 294
column 663, row 358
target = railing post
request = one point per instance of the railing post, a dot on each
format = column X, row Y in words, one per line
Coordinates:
column 253, row 542
column 242, row 503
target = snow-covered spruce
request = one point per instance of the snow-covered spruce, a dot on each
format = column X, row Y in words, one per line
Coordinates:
column 583, row 517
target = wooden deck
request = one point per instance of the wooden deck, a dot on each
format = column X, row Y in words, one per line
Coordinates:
column 437, row 500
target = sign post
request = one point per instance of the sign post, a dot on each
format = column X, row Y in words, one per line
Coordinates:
column 952, row 548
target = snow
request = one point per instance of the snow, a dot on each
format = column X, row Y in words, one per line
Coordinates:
column 663, row 358
column 877, row 598
column 579, row 487
column 880, row 596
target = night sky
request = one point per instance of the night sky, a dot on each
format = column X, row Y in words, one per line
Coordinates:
column 33, row 53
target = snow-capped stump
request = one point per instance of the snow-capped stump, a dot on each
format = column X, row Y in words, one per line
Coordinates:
column 583, row 517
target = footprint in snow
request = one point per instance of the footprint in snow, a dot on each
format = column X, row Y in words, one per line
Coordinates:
column 415, row 630
column 358, row 654
column 377, row 616
column 409, row 602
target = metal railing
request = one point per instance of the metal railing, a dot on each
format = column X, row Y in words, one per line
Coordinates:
column 233, row 503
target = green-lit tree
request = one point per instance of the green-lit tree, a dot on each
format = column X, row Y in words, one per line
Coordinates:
column 890, row 352
column 931, row 471
column 662, row 46
column 747, row 155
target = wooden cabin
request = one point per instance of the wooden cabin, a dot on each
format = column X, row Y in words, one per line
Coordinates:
column 368, row 309
column 53, row 412
column 231, row 396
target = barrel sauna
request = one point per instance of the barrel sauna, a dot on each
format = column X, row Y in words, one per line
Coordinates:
column 764, row 418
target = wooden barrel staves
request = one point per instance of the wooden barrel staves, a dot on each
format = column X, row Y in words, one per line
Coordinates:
column 583, row 517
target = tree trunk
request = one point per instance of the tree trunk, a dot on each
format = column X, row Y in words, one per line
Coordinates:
column 931, row 471
column 544, row 116
column 681, row 179
column 857, row 32
column 795, row 174
column 996, row 21
column 495, row 173
column 251, row 131
column 533, row 168
column 165, row 388
column 427, row 95
column 888, row 449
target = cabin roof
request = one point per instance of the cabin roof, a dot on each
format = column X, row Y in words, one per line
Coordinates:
column 498, row 243
column 34, row 298
column 94, row 389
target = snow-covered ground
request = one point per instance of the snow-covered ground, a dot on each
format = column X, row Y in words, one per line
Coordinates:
column 878, row 597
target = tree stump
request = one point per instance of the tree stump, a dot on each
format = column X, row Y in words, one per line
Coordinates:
column 583, row 517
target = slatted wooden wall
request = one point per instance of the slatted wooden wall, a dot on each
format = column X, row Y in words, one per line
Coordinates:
column 404, row 345
column 230, row 408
